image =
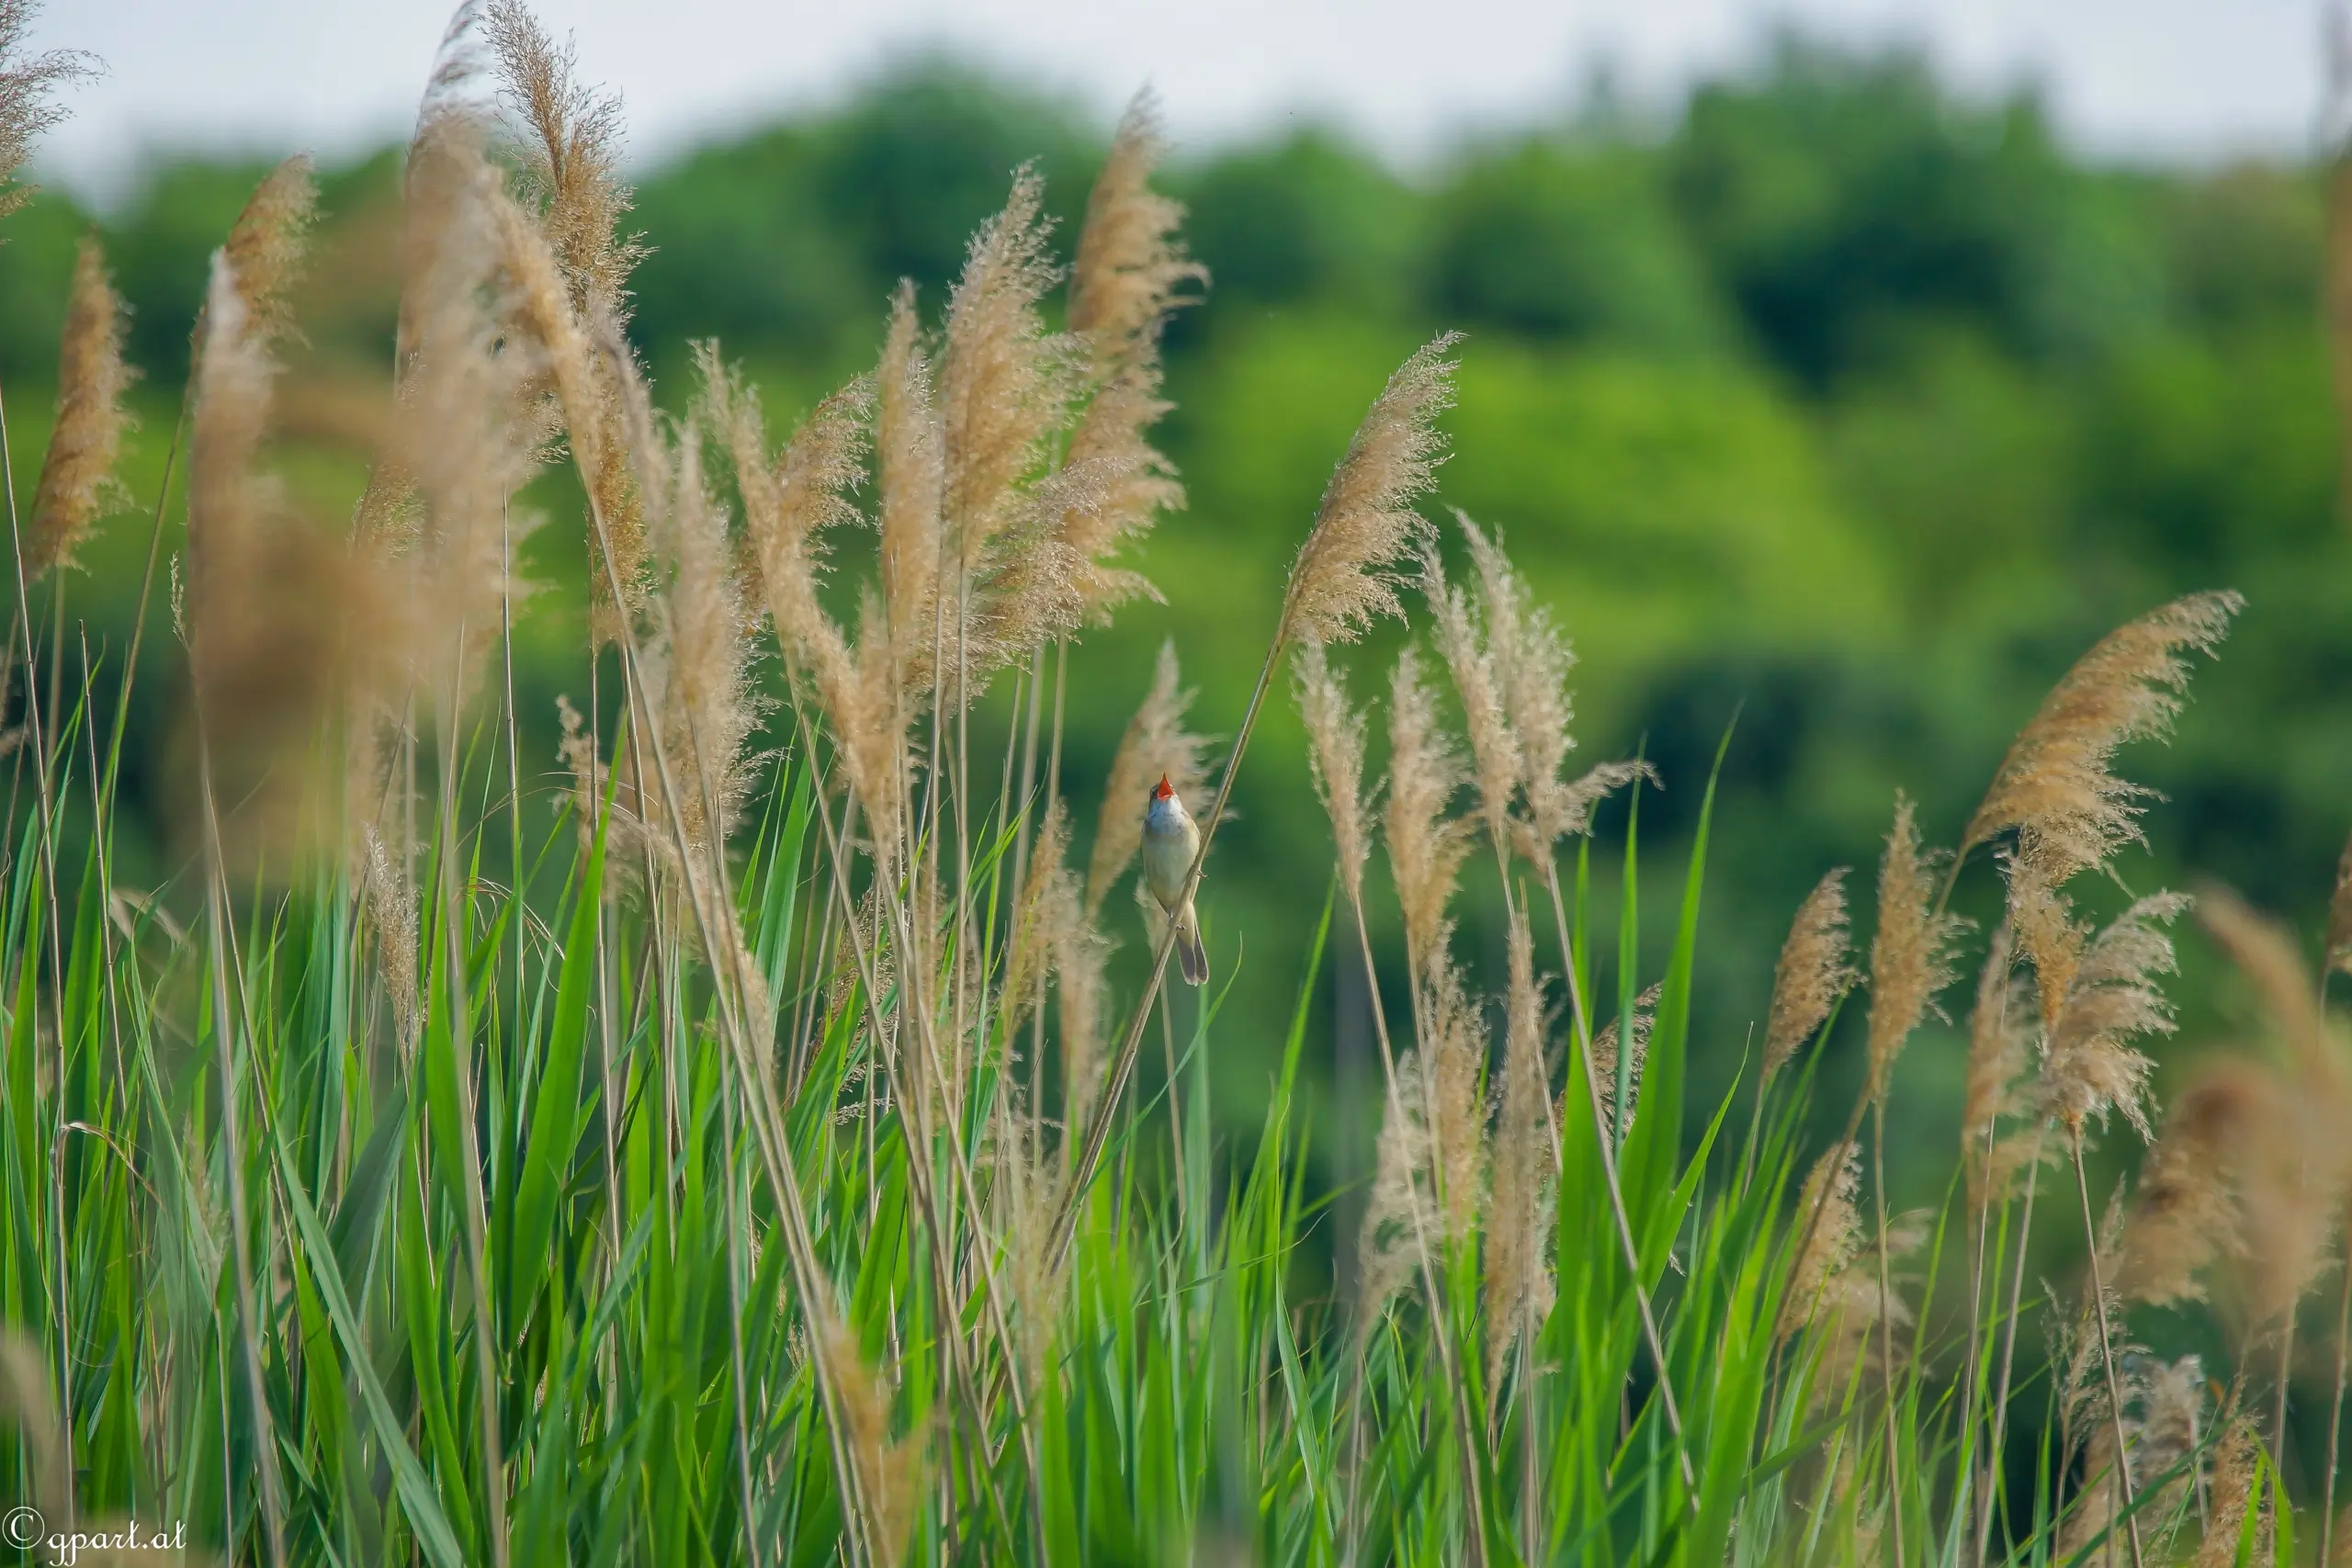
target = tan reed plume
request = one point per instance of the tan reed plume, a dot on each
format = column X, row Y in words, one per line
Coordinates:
column 2163, row 1402
column 2297, row 1168
column 2236, row 1462
column 26, row 84
column 2185, row 1213
column 1401, row 1208
column 1054, row 936
column 1813, row 973
column 266, row 246
column 789, row 505
column 1124, row 284
column 1911, row 951
column 1469, row 658
column 2088, row 1066
column 1366, row 522
column 1005, row 386
column 2337, row 955
column 571, row 156
column 2055, row 785
column 1156, row 746
column 1454, row 1055
column 1834, row 1189
column 590, row 365
column 1531, row 665
column 462, row 439
column 1604, row 1055
column 1519, row 1220
column 888, row 1471
column 710, row 705
column 1426, row 847
column 1335, row 739
column 77, row 479
column 911, row 461
column 1995, row 1086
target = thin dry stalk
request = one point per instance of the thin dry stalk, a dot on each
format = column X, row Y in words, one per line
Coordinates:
column 1156, row 746
column 1813, row 973
column 77, row 479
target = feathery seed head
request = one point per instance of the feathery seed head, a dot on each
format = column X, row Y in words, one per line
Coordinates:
column 2088, row 1066
column 1335, row 737
column 1813, row 971
column 1911, row 951
column 572, row 158
column 1156, row 746
column 2185, row 1213
column 889, row 1471
column 1366, row 522
column 1426, row 847
column 77, row 481
column 1518, row 1275
column 2338, row 954
column 1124, row 286
column 911, row 464
column 1494, row 748
column 2055, row 786
column 1999, row 1057
column 1455, row 1056
column 1834, row 1186
column 26, row 84
column 266, row 246
column 1401, row 1208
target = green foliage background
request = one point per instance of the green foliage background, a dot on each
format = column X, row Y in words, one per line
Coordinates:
column 1838, row 403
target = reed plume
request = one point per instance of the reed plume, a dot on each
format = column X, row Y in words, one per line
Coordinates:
column 1518, row 1273
column 704, row 663
column 1831, row 1191
column 2236, row 1491
column 2185, row 1214
column 1531, row 664
column 889, row 1471
column 1006, row 385
column 1911, row 951
column 1156, row 746
column 1605, row 1053
column 1366, row 521
column 1401, row 1206
column 1454, row 1054
column 266, row 247
column 1813, row 973
column 1426, row 847
column 1995, row 1087
column 571, row 157
column 790, row 505
column 77, row 481
column 2089, row 1067
column 462, row 437
column 1124, row 284
column 26, row 85
column 911, row 461
column 1055, row 938
column 1495, row 763
column 2056, row 786
column 2297, row 1168
column 1335, row 755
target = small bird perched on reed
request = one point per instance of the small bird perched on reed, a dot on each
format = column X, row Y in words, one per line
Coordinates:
column 1171, row 840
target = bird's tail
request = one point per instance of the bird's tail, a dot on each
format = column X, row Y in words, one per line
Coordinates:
column 1190, row 955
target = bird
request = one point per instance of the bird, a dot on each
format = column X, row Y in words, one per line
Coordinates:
column 1171, row 840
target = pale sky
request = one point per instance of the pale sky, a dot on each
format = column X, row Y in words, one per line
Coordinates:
column 2201, row 79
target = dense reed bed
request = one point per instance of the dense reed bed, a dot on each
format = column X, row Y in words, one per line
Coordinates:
column 794, row 1185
